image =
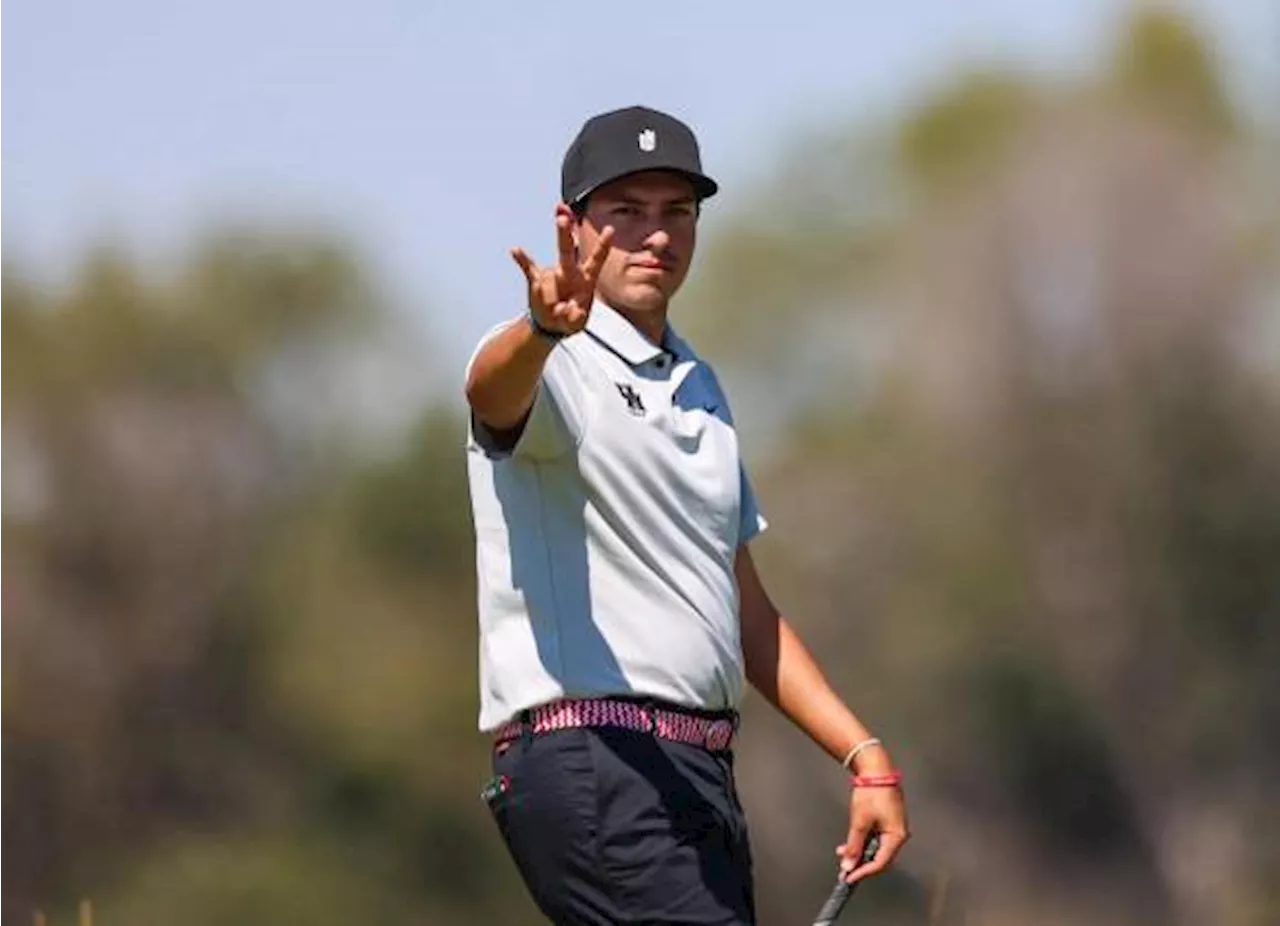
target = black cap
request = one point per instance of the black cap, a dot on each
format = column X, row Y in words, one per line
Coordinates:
column 627, row 141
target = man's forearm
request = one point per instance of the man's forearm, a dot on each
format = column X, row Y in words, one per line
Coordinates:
column 782, row 669
column 504, row 377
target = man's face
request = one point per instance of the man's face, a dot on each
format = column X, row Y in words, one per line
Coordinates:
column 655, row 217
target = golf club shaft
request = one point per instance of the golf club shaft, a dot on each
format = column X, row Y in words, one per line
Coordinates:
column 843, row 890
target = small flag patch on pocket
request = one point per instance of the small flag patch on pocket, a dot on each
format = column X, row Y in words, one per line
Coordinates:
column 497, row 785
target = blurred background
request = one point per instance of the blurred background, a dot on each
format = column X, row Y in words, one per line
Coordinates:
column 995, row 289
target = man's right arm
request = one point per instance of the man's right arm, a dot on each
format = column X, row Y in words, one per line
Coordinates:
column 503, row 380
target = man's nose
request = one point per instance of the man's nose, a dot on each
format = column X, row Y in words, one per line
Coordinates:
column 658, row 241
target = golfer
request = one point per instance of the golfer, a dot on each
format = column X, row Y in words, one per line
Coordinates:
column 620, row 611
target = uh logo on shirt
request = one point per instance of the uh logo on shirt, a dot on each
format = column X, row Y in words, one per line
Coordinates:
column 686, row 398
column 632, row 398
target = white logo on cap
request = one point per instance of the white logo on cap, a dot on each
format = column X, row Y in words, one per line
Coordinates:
column 648, row 140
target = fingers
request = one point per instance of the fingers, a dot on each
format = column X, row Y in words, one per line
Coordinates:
column 564, row 243
column 548, row 286
column 890, row 844
column 525, row 263
column 851, row 851
column 565, row 247
column 591, row 269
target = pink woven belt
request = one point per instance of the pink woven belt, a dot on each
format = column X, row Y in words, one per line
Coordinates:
column 714, row 734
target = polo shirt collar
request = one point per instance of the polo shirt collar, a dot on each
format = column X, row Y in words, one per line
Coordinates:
column 677, row 346
column 613, row 330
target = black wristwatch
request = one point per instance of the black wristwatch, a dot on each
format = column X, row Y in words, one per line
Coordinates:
column 551, row 337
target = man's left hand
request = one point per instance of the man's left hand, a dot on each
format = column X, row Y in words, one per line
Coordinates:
column 880, row 810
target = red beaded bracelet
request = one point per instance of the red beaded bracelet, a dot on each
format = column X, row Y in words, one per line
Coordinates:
column 891, row 780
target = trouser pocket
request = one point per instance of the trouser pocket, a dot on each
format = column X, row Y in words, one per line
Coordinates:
column 494, row 795
column 546, row 812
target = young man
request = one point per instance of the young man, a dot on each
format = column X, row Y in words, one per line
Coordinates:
column 619, row 606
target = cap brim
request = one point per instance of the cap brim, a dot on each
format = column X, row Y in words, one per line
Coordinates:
column 703, row 186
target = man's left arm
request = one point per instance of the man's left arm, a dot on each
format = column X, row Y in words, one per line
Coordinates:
column 781, row 668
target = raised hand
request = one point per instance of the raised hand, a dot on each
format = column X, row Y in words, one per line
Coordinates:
column 560, row 296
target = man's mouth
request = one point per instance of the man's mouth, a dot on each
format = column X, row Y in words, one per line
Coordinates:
column 649, row 263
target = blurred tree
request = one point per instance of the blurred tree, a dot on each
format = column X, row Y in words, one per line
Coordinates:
column 1038, row 500
column 964, row 132
column 1164, row 63
column 206, row 618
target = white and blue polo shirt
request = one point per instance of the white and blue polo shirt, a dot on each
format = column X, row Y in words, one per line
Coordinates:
column 606, row 538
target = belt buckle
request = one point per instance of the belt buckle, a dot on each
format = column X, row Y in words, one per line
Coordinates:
column 649, row 712
column 718, row 737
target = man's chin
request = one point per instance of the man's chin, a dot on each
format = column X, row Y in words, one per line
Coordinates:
column 645, row 297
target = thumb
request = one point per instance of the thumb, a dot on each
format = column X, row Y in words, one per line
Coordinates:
column 526, row 264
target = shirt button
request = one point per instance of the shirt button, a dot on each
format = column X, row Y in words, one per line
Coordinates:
column 662, row 363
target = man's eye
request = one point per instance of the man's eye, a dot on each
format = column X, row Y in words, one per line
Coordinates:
column 625, row 210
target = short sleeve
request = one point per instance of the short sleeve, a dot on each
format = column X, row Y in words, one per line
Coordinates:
column 556, row 421
column 752, row 521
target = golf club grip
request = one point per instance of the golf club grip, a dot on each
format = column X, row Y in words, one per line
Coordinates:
column 843, row 890
column 835, row 903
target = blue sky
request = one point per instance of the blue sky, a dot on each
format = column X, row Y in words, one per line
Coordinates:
column 433, row 133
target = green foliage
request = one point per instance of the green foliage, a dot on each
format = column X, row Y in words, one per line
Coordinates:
column 410, row 509
column 256, row 877
column 1163, row 62
column 22, row 333
column 1058, row 770
column 254, row 294
column 964, row 131
column 251, row 623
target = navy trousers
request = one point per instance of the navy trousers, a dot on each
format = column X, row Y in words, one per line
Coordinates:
column 617, row 826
